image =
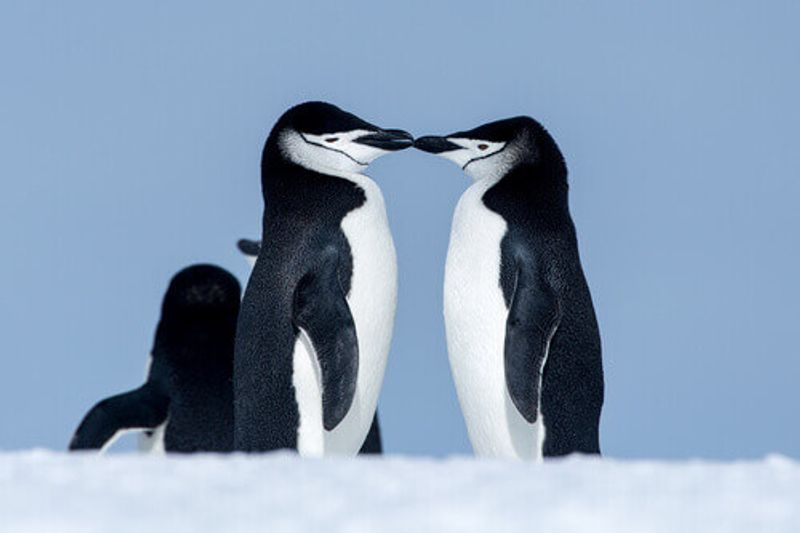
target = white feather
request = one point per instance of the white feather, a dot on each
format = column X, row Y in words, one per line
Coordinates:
column 372, row 300
column 475, row 319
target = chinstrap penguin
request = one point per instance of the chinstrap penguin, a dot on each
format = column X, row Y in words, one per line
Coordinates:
column 522, row 336
column 186, row 403
column 318, row 311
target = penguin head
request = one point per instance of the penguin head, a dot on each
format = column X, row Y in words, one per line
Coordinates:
column 321, row 137
column 491, row 150
column 200, row 310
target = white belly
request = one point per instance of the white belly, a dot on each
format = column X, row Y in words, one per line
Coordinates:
column 475, row 318
column 153, row 444
column 372, row 300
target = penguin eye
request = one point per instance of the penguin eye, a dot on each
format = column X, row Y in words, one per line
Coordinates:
column 331, row 139
column 483, row 147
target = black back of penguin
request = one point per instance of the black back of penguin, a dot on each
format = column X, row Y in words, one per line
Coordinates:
column 193, row 358
column 532, row 198
column 189, row 384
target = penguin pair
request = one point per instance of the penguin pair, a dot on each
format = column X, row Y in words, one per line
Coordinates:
column 318, row 312
column 186, row 402
column 317, row 316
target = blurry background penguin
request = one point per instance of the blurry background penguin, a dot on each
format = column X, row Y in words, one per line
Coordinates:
column 373, row 444
column 186, row 403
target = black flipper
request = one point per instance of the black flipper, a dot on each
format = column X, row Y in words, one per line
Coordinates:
column 249, row 247
column 321, row 310
column 533, row 317
column 145, row 407
column 373, row 445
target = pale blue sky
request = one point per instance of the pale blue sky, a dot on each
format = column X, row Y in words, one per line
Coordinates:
column 130, row 137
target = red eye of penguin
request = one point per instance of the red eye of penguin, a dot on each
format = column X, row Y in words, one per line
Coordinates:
column 483, row 146
column 332, row 139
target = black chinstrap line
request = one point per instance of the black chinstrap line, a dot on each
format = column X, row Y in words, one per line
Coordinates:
column 348, row 156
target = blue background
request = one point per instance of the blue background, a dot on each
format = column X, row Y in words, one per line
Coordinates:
column 130, row 137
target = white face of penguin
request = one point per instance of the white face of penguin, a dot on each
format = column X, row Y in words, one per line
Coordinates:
column 340, row 152
column 480, row 158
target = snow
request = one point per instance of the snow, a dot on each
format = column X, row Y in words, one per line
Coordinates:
column 43, row 491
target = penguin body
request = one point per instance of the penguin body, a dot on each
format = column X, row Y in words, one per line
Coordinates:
column 187, row 399
column 522, row 335
column 373, row 444
column 317, row 315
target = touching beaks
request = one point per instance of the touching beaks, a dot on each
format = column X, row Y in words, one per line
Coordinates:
column 435, row 145
column 390, row 140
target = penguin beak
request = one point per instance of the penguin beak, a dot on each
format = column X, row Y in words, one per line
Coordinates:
column 435, row 145
column 248, row 247
column 390, row 140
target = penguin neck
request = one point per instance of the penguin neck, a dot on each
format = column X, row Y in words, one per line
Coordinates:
column 288, row 187
column 538, row 188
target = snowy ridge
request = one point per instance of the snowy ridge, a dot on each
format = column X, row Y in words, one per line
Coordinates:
column 44, row 491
